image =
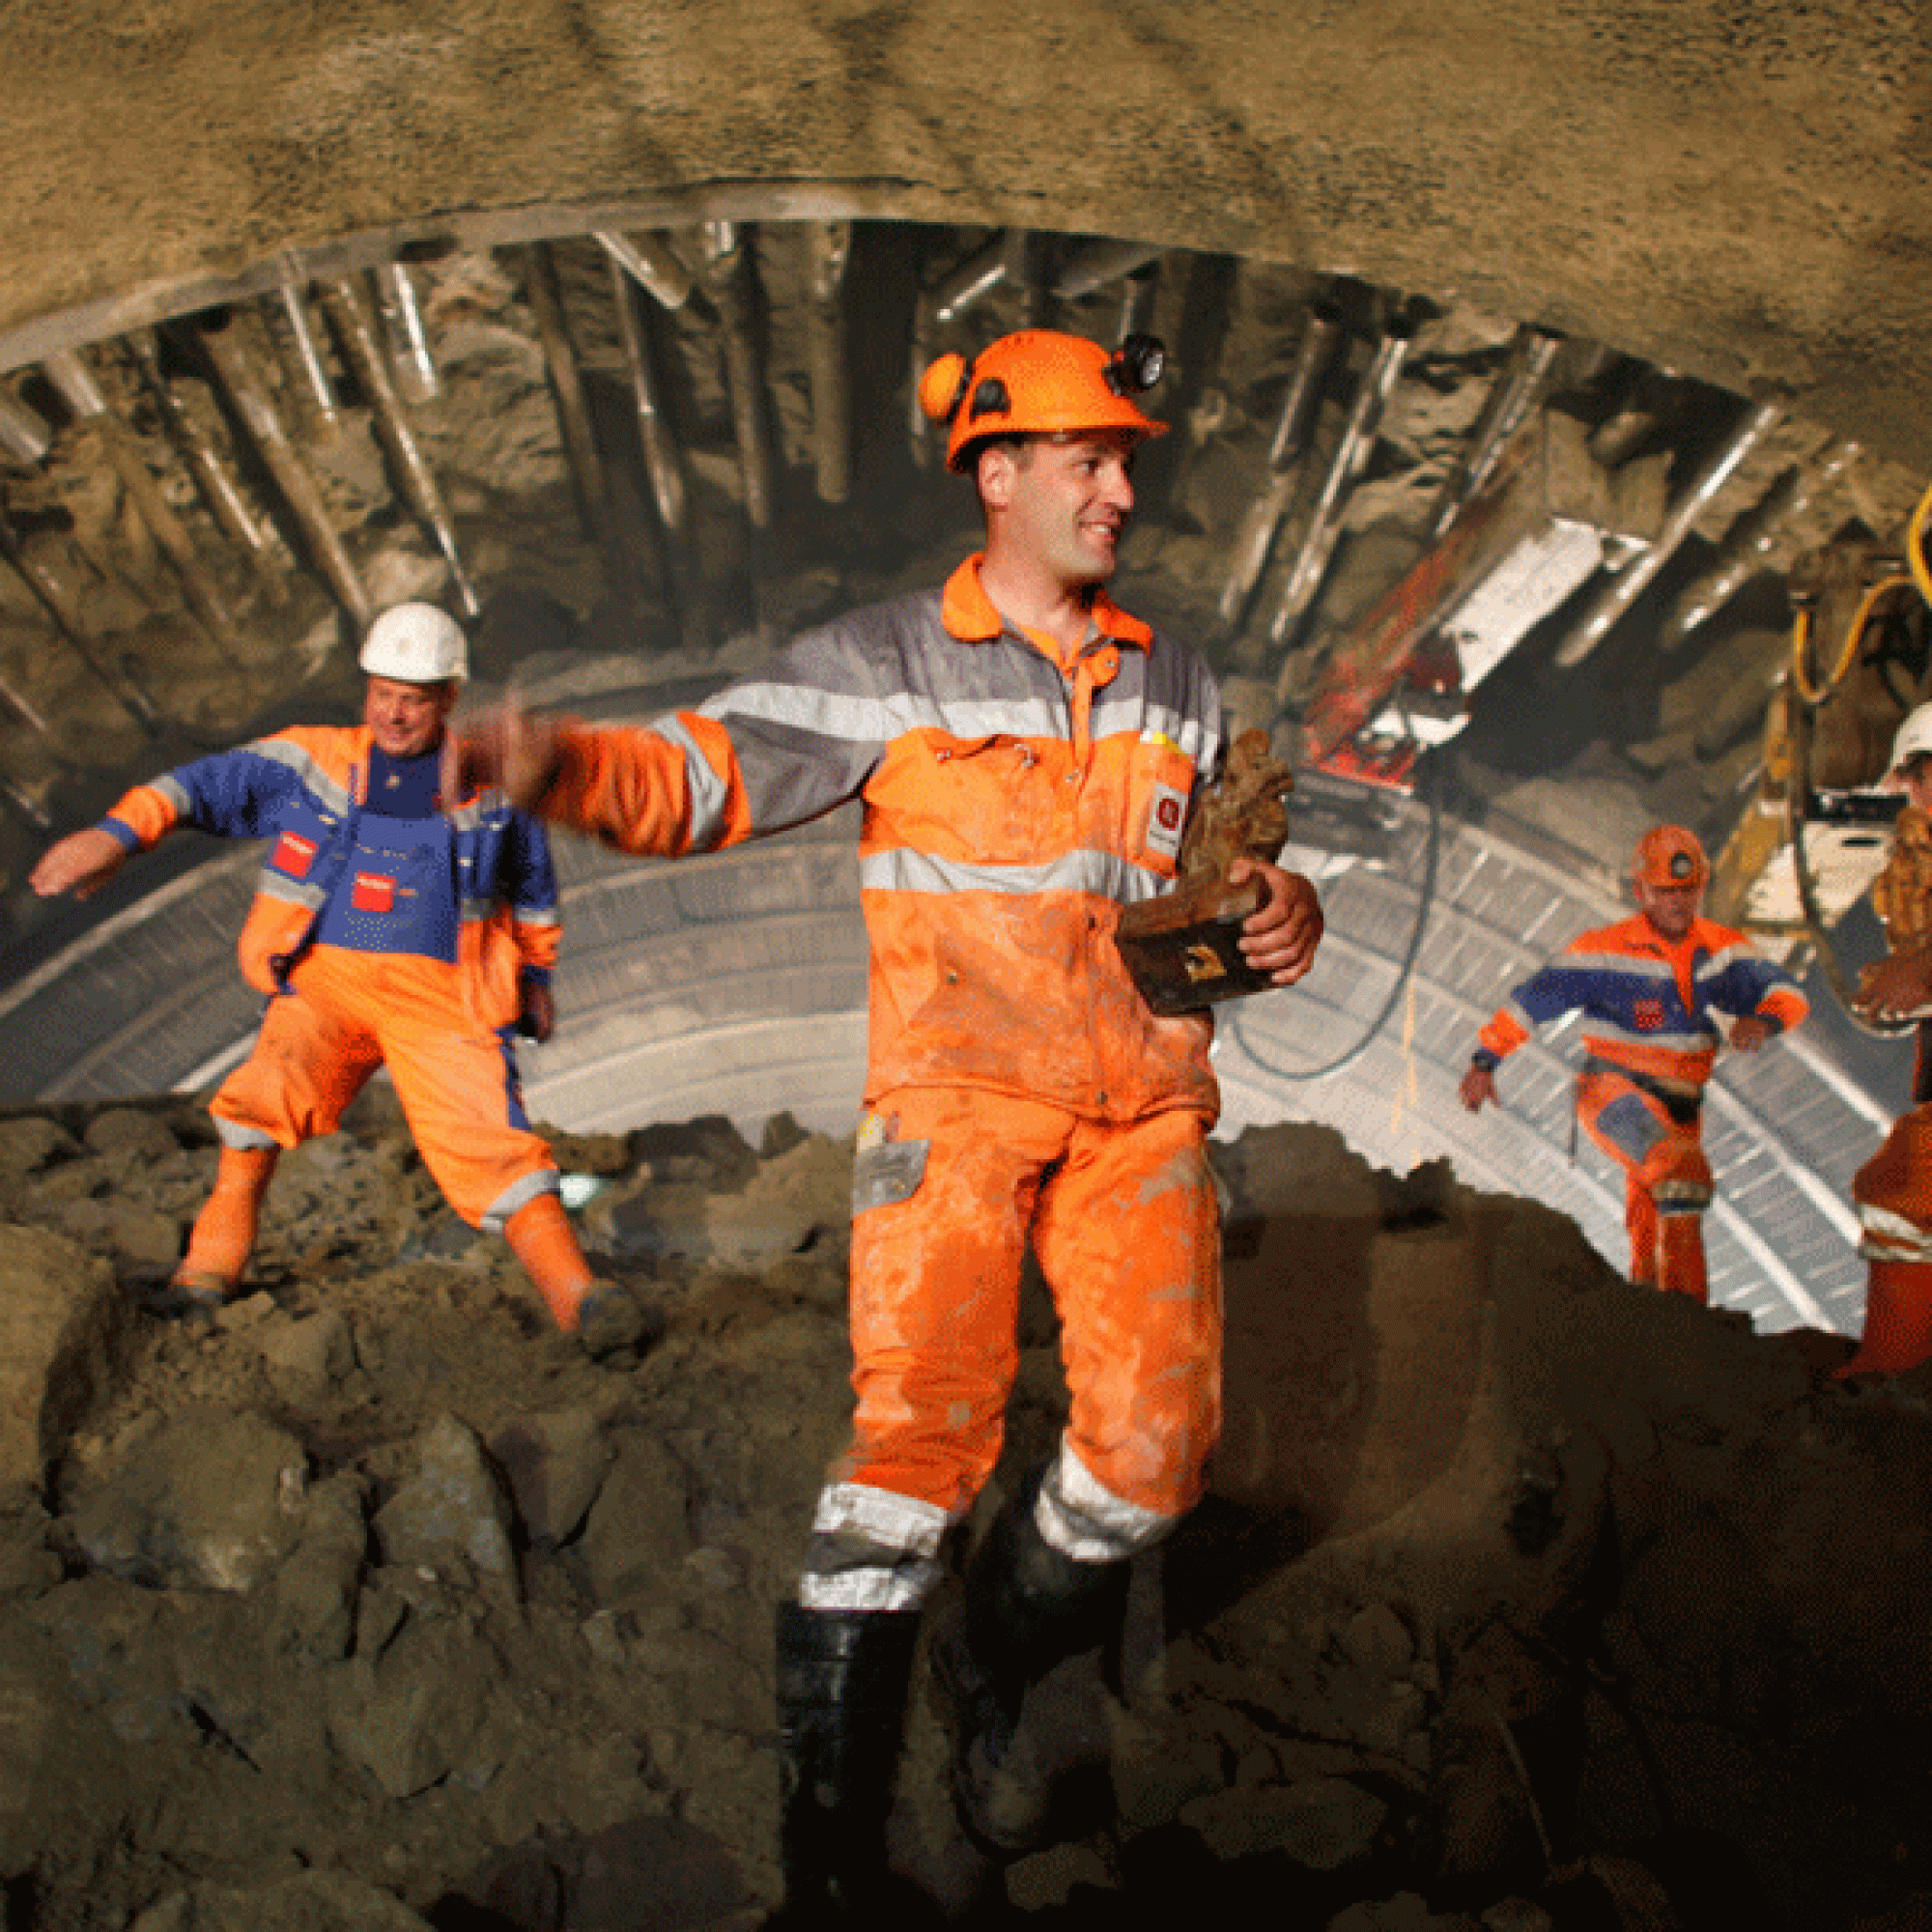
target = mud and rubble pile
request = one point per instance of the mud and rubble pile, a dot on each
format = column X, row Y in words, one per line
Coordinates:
column 1519, row 1599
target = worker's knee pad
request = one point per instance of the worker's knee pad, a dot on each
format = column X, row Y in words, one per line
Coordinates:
column 1678, row 1176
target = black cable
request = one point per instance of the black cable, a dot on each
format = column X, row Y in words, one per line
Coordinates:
column 1424, row 906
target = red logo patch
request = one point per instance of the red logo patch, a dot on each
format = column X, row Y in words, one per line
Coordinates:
column 1649, row 1016
column 1167, row 813
column 294, row 855
column 373, row 893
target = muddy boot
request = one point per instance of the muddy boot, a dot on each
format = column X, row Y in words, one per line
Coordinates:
column 1028, row 1607
column 842, row 1679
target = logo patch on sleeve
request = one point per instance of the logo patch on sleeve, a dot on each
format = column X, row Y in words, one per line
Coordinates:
column 1167, row 813
column 294, row 855
column 1650, row 1015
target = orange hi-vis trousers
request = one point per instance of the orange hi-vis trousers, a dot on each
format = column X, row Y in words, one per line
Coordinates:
column 346, row 1014
column 1667, row 1180
column 1892, row 1192
column 948, row 1185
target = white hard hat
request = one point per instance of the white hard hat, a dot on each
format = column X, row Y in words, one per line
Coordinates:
column 415, row 643
column 1914, row 735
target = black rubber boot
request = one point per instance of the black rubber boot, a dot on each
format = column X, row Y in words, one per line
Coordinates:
column 1028, row 1606
column 842, row 1680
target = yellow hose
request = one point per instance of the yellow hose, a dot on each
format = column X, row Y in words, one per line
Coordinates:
column 1914, row 546
column 1801, row 629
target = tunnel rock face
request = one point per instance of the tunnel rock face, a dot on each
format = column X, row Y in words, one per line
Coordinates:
column 1739, row 196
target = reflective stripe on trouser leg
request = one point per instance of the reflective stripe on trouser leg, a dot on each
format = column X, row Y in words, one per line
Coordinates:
column 1129, row 1240
column 458, row 1085
column 1892, row 1192
column 1679, row 1179
column 871, row 1549
column 1083, row 1520
column 944, row 1188
column 1127, row 1232
column 1635, row 1129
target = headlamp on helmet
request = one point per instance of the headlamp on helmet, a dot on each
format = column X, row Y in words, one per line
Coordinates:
column 1041, row 383
column 1670, row 855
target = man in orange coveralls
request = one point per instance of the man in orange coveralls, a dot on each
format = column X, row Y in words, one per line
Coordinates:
column 1026, row 751
column 1893, row 1190
column 386, row 931
column 1648, row 988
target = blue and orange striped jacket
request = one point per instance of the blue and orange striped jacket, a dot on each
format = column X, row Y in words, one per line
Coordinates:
column 1648, row 1002
column 304, row 788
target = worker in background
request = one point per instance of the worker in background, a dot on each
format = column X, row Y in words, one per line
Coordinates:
column 387, row 931
column 1650, row 989
column 1026, row 752
column 1893, row 1189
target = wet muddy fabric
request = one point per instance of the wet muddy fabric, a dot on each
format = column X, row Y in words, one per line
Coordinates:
column 1013, row 804
column 949, row 1187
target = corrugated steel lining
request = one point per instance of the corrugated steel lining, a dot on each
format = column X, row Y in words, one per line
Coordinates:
column 736, row 985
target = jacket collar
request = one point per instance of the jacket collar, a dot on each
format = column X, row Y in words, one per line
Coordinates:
column 968, row 612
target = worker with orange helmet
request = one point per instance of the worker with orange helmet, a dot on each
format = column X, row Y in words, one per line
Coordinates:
column 1649, row 990
column 1025, row 751
column 1893, row 1191
column 385, row 930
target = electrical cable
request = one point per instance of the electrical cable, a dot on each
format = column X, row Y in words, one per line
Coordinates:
column 1424, row 906
column 1800, row 643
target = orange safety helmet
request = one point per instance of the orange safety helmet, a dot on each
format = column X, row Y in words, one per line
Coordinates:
column 1668, row 855
column 1041, row 383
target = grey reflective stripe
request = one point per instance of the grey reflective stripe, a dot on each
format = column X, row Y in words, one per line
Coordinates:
column 233, row 1134
column 883, row 1176
column 876, row 720
column 1194, row 738
column 1675, row 1042
column 902, row 1586
column 519, row 1194
column 488, row 804
column 1681, row 1197
column 1725, row 956
column 1086, row 1521
column 1628, row 965
column 469, row 909
column 1891, row 1238
column 1105, row 875
column 291, row 892
column 881, row 1515
column 298, row 760
column 709, row 793
column 174, row 791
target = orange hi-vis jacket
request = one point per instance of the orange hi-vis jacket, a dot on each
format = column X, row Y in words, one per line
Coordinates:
column 1011, row 807
column 304, row 788
column 1647, row 1000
